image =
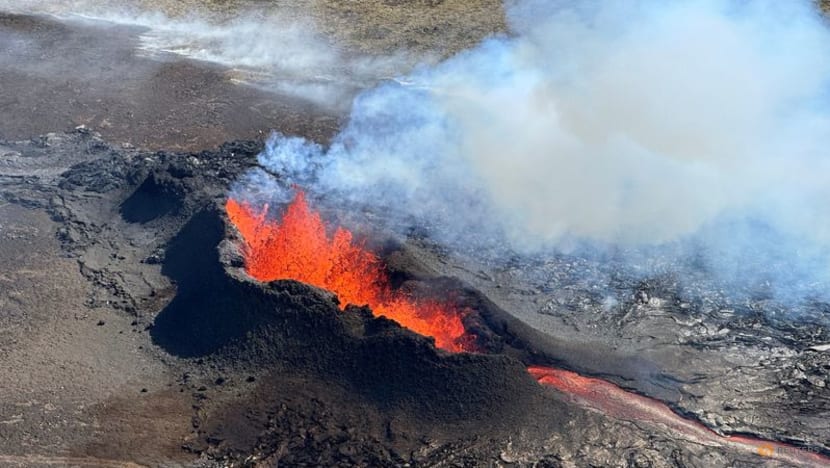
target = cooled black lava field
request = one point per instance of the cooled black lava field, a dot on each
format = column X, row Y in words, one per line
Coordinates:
column 135, row 333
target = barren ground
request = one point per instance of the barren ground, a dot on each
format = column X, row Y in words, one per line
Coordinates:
column 129, row 337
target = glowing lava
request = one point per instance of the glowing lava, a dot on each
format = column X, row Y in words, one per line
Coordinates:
column 613, row 401
column 299, row 248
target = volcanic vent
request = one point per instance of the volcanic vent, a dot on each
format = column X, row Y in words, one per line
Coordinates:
column 280, row 332
column 299, row 248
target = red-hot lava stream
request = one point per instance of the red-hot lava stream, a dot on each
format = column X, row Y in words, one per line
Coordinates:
column 299, row 248
column 613, row 401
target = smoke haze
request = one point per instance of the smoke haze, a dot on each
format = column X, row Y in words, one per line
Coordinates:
column 278, row 49
column 695, row 131
column 696, row 128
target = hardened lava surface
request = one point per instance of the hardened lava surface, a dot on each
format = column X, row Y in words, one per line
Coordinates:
column 130, row 334
column 128, row 317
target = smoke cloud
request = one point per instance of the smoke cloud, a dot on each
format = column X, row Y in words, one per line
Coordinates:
column 695, row 128
column 281, row 52
column 692, row 131
column 276, row 49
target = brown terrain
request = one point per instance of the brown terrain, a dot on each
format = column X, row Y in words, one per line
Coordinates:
column 131, row 336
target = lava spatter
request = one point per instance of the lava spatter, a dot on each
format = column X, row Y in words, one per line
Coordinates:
column 298, row 247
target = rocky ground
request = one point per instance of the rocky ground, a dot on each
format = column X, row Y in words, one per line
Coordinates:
column 435, row 27
column 747, row 366
column 64, row 76
column 129, row 336
column 132, row 335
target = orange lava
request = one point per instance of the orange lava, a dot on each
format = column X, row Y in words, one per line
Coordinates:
column 299, row 248
column 613, row 401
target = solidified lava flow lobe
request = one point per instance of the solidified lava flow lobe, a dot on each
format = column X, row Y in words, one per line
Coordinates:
column 299, row 248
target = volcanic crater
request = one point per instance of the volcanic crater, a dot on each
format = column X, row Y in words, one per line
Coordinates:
column 136, row 332
column 281, row 372
column 414, row 392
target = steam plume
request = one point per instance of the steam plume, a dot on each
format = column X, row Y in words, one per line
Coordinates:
column 278, row 49
column 698, row 126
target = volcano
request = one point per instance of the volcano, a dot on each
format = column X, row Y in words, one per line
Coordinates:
column 297, row 247
column 280, row 368
column 178, row 290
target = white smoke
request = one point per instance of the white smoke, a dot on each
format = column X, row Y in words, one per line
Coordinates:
column 637, row 122
column 277, row 49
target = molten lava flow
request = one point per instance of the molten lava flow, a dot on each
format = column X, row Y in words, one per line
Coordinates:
column 618, row 403
column 299, row 248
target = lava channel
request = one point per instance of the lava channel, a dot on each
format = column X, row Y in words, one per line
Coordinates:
column 613, row 401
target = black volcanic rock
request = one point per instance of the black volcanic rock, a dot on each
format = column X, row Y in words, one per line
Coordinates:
column 305, row 382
